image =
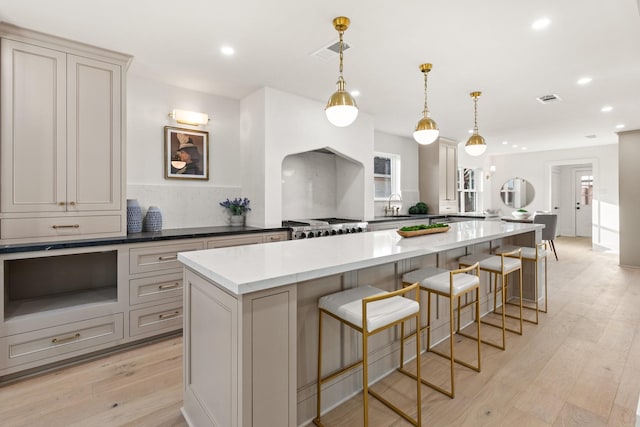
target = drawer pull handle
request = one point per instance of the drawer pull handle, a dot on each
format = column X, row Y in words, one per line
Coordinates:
column 72, row 203
column 65, row 339
column 274, row 238
column 67, row 226
column 168, row 258
column 169, row 315
column 169, row 286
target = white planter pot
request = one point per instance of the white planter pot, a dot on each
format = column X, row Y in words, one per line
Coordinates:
column 237, row 220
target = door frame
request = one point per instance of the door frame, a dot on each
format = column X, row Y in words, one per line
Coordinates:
column 595, row 211
column 575, row 171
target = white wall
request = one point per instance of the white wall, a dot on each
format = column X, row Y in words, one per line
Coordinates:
column 183, row 203
column 407, row 149
column 536, row 167
column 309, row 186
column 291, row 124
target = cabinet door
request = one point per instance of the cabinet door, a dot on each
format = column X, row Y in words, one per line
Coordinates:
column 94, row 140
column 33, row 117
column 448, row 172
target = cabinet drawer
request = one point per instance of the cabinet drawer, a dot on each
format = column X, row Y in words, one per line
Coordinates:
column 448, row 206
column 155, row 288
column 59, row 340
column 158, row 258
column 276, row 237
column 20, row 228
column 234, row 241
column 153, row 319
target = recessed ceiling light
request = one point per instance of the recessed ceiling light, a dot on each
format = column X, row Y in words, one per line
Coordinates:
column 606, row 108
column 227, row 50
column 541, row 24
column 355, row 93
column 584, row 80
column 505, row 142
column 620, row 126
column 470, row 131
column 515, row 145
column 524, row 148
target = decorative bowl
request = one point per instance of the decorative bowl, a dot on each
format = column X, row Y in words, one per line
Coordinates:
column 521, row 215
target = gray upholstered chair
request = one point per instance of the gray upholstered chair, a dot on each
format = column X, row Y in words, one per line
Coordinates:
column 549, row 231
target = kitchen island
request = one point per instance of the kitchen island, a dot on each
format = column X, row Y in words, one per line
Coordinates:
column 251, row 316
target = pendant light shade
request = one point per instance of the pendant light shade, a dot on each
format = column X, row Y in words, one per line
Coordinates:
column 341, row 110
column 427, row 129
column 475, row 145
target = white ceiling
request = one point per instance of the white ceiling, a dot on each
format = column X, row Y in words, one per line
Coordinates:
column 486, row 45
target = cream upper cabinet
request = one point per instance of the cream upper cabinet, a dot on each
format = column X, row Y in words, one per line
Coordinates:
column 62, row 112
column 34, row 128
column 438, row 163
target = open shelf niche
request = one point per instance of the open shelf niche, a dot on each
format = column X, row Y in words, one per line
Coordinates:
column 37, row 285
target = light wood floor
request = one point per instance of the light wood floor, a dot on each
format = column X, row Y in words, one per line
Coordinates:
column 579, row 367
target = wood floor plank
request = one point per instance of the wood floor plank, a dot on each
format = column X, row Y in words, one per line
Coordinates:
column 580, row 366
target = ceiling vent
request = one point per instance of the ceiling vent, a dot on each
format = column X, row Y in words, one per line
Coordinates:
column 590, row 136
column 331, row 51
column 549, row 99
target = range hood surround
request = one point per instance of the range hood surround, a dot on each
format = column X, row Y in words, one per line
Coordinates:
column 320, row 184
column 275, row 125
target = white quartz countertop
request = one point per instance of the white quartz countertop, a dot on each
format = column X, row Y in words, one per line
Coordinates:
column 245, row 269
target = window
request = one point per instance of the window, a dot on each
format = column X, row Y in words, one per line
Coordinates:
column 470, row 189
column 586, row 189
column 386, row 175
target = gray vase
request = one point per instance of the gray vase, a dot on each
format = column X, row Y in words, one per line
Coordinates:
column 134, row 216
column 153, row 219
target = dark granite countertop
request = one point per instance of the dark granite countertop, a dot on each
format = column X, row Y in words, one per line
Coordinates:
column 169, row 234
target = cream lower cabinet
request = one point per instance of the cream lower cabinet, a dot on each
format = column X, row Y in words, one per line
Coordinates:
column 240, row 356
column 438, row 166
column 66, row 303
column 62, row 144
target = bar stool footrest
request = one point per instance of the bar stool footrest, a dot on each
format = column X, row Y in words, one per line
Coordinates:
column 427, row 383
column 394, row 408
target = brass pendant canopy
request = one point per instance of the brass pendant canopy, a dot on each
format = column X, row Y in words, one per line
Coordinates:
column 475, row 146
column 341, row 109
column 427, row 129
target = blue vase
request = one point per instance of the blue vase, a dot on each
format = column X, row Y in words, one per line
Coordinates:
column 153, row 219
column 134, row 216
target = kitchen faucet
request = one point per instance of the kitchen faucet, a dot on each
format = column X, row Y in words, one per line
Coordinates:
column 395, row 209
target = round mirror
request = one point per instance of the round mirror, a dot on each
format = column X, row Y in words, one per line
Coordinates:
column 517, row 193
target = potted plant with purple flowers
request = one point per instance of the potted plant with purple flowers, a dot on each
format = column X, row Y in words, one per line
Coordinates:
column 237, row 207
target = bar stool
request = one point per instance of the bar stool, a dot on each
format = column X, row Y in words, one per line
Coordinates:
column 499, row 265
column 533, row 255
column 450, row 284
column 370, row 310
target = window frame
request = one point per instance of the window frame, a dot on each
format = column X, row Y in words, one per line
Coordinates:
column 394, row 176
column 477, row 189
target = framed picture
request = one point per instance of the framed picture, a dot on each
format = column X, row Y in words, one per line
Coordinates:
column 186, row 154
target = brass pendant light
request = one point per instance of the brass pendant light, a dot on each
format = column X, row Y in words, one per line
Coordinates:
column 427, row 129
column 475, row 145
column 341, row 110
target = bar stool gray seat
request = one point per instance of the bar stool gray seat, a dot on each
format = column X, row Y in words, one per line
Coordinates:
column 452, row 285
column 550, row 230
column 370, row 310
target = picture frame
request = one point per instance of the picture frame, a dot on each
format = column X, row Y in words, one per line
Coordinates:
column 186, row 154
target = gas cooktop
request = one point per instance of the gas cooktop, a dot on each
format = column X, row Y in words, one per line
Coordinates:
column 321, row 227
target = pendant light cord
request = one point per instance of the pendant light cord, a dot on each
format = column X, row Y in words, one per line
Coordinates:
column 341, row 49
column 425, row 112
column 475, row 115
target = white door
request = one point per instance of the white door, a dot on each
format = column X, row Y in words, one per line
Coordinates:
column 583, row 179
column 555, row 191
